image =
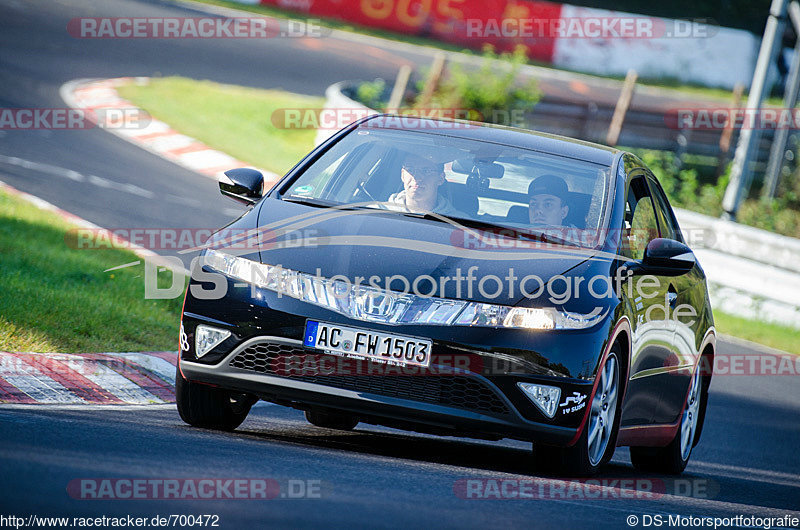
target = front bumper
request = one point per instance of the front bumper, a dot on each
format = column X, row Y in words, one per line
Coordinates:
column 455, row 401
column 474, row 391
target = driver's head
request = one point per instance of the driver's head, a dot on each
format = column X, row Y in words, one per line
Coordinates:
column 421, row 177
column 547, row 200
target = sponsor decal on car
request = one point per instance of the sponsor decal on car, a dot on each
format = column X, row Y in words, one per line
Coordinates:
column 573, row 403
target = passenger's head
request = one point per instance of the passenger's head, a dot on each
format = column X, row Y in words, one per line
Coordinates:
column 421, row 177
column 547, row 200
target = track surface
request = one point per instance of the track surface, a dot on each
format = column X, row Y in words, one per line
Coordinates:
column 372, row 477
column 745, row 464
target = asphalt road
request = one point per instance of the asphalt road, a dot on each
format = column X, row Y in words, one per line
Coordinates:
column 747, row 460
column 745, row 464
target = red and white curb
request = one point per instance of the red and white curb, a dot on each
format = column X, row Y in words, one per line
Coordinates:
column 156, row 136
column 109, row 378
column 92, row 378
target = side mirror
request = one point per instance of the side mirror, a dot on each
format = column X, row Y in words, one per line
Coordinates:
column 246, row 185
column 664, row 257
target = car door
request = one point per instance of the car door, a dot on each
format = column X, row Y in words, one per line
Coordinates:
column 649, row 297
column 686, row 294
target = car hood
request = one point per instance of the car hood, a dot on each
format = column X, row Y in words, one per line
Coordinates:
column 376, row 247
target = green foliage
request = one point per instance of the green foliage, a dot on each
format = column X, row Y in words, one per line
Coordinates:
column 685, row 191
column 683, row 186
column 493, row 91
column 371, row 94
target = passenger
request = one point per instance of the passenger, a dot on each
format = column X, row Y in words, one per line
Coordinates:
column 548, row 197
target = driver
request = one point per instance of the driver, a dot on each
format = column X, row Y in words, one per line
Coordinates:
column 422, row 179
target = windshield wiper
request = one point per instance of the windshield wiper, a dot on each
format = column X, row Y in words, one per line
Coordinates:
column 486, row 225
column 310, row 201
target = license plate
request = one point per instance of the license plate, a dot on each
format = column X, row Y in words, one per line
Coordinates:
column 362, row 344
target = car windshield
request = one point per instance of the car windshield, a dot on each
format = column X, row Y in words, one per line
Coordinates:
column 467, row 181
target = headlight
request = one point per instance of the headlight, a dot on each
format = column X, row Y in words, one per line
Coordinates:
column 390, row 307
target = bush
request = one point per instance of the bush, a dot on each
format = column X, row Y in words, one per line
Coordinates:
column 683, row 187
column 493, row 91
column 684, row 191
column 371, row 94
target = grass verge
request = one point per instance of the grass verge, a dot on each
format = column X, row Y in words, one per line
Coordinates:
column 767, row 333
column 235, row 120
column 58, row 299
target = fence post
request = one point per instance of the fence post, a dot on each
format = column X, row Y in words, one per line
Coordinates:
column 621, row 109
column 399, row 89
column 432, row 81
column 727, row 133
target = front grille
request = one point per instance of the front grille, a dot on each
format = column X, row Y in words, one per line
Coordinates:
column 297, row 363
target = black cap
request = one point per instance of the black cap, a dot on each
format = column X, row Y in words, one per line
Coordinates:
column 550, row 185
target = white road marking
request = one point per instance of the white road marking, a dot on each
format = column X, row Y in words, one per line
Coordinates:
column 100, row 182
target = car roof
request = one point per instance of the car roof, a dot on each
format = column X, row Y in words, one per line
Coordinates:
column 488, row 132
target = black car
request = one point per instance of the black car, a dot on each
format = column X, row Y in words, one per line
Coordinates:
column 458, row 279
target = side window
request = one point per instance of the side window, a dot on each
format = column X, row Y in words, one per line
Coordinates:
column 640, row 225
column 666, row 219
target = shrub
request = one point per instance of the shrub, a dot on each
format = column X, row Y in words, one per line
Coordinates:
column 492, row 91
column 371, row 93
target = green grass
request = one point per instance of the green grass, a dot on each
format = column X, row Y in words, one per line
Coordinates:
column 58, row 299
column 769, row 334
column 236, row 120
column 681, row 89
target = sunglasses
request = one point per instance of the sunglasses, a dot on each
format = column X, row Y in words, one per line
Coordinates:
column 422, row 171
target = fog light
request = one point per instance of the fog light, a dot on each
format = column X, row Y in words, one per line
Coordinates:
column 543, row 396
column 206, row 339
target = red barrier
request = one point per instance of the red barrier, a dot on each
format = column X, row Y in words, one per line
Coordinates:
column 501, row 23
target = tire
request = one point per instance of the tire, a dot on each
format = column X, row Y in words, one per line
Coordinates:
column 209, row 407
column 673, row 458
column 602, row 425
column 331, row 420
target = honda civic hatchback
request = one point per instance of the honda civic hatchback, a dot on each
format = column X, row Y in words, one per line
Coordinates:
column 457, row 279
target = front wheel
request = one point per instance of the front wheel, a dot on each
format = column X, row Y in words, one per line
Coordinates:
column 673, row 458
column 597, row 442
column 209, row 407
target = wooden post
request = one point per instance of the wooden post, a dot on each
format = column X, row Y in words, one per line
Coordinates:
column 726, row 137
column 399, row 89
column 623, row 103
column 433, row 80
